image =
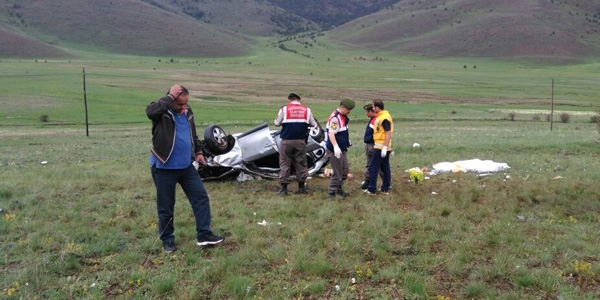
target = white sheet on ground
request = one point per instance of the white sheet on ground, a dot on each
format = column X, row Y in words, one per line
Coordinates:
column 472, row 165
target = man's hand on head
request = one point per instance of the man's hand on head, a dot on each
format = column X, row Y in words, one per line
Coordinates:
column 175, row 91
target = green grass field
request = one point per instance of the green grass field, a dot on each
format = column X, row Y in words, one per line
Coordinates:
column 83, row 224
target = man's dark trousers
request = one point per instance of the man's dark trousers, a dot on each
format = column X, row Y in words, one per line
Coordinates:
column 166, row 181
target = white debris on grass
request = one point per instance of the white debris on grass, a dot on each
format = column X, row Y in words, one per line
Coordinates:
column 472, row 165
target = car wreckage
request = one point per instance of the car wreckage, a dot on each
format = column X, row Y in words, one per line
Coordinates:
column 254, row 153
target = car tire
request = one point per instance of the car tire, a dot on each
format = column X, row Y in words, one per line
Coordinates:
column 317, row 132
column 216, row 139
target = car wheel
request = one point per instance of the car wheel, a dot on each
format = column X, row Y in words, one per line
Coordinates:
column 316, row 132
column 216, row 139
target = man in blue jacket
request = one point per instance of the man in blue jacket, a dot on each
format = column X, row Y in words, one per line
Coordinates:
column 175, row 146
column 295, row 119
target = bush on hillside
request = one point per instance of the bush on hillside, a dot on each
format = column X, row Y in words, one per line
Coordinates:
column 564, row 117
column 597, row 116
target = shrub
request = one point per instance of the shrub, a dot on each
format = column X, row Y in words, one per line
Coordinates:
column 597, row 121
column 595, row 118
column 536, row 117
column 511, row 116
column 564, row 117
column 453, row 111
column 44, row 118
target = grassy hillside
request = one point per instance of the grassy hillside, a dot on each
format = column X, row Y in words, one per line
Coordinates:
column 540, row 30
column 13, row 44
column 331, row 13
column 124, row 26
column 255, row 18
column 515, row 28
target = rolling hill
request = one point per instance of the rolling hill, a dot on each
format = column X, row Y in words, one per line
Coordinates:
column 548, row 29
column 122, row 26
column 482, row 28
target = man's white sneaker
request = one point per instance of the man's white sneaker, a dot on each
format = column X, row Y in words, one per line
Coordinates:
column 369, row 193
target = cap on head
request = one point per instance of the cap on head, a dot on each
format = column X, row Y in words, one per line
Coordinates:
column 347, row 103
column 368, row 107
column 293, row 96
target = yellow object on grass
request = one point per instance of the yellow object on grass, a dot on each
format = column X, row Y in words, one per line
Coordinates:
column 416, row 175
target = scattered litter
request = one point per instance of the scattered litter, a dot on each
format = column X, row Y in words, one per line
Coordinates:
column 521, row 218
column 483, row 174
column 244, row 177
column 263, row 223
column 416, row 145
column 558, row 177
column 45, row 162
column 434, row 193
column 337, row 288
column 473, row 165
column 507, row 176
column 353, row 280
column 326, row 173
column 279, row 223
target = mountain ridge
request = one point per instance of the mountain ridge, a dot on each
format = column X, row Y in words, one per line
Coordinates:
column 217, row 28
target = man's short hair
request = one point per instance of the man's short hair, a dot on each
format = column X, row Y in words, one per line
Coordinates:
column 184, row 91
column 293, row 96
column 378, row 103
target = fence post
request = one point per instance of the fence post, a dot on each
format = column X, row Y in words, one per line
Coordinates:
column 552, row 107
column 87, row 132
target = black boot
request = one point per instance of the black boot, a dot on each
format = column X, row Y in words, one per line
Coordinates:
column 283, row 189
column 301, row 188
column 342, row 193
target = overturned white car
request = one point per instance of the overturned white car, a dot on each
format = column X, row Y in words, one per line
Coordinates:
column 254, row 153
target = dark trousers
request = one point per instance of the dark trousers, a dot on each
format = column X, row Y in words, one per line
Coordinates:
column 292, row 153
column 369, row 148
column 340, row 168
column 165, row 181
column 383, row 164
